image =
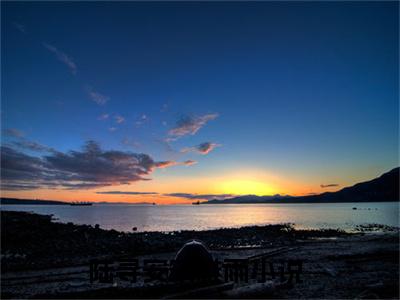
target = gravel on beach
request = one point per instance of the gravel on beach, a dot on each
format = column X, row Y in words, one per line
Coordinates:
column 44, row 259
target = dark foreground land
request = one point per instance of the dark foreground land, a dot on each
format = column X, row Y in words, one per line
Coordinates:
column 44, row 259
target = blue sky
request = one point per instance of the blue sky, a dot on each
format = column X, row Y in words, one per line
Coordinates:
column 309, row 89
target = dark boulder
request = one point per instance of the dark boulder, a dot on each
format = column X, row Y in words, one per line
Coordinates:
column 194, row 261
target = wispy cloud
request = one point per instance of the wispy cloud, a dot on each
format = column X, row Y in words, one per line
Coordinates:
column 119, row 119
column 126, row 193
column 103, row 117
column 188, row 196
column 200, row 196
column 33, row 146
column 189, row 162
column 64, row 58
column 95, row 96
column 142, row 119
column 20, row 27
column 171, row 163
column 203, row 148
column 166, row 164
column 189, row 125
column 14, row 132
column 91, row 167
column 112, row 129
column 21, row 142
column 329, row 185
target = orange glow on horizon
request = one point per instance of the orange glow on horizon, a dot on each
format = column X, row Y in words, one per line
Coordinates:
column 247, row 187
column 243, row 182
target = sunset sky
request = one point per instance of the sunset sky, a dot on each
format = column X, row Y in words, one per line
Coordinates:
column 174, row 102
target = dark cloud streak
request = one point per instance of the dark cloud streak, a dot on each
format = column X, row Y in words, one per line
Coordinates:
column 200, row 196
column 88, row 168
column 203, row 148
column 329, row 185
column 13, row 132
column 189, row 125
column 126, row 193
column 33, row 146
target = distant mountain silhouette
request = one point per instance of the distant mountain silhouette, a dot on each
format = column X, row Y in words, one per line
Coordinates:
column 381, row 189
column 13, row 201
column 252, row 199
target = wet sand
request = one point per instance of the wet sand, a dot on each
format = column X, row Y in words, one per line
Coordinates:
column 43, row 259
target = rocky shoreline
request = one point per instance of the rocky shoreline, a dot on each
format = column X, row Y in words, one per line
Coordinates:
column 33, row 241
column 338, row 264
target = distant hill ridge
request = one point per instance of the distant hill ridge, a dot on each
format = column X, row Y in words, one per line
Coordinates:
column 382, row 189
column 9, row 201
column 15, row 201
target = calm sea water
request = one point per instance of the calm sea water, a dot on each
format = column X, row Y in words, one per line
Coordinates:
column 200, row 217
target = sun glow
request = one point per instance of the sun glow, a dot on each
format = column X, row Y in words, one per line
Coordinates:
column 246, row 187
